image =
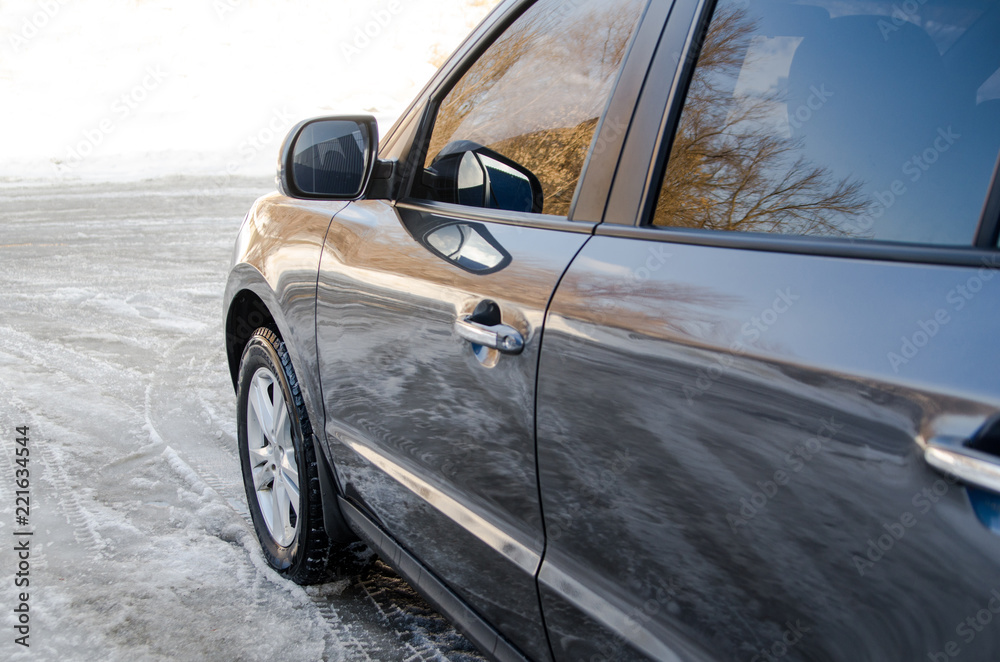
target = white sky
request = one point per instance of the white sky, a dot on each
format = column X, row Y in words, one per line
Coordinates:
column 132, row 88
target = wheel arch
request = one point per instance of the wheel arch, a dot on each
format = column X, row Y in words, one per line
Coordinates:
column 247, row 313
column 251, row 304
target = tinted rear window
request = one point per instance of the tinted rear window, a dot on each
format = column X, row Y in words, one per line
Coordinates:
column 865, row 120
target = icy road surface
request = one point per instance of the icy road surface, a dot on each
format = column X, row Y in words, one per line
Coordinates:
column 111, row 350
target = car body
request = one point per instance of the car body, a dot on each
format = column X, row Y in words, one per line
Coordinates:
column 652, row 330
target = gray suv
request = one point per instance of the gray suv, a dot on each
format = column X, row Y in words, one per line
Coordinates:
column 653, row 329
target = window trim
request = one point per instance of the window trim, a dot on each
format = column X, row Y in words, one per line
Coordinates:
column 458, row 212
column 593, row 190
column 980, row 251
column 653, row 113
column 988, row 231
column 856, row 249
column 458, row 67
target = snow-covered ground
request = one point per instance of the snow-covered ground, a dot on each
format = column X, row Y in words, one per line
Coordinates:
column 111, row 352
column 134, row 134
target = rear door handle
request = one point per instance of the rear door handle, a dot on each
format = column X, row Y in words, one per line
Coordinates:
column 973, row 467
column 503, row 338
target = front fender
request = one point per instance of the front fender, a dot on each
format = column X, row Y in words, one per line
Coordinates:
column 273, row 283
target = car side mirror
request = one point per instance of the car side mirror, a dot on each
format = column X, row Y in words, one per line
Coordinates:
column 469, row 174
column 330, row 158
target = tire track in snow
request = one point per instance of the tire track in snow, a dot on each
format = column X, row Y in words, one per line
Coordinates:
column 80, row 519
column 76, row 515
column 390, row 610
column 339, row 635
column 207, row 485
column 55, row 360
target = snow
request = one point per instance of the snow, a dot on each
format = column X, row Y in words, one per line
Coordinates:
column 112, row 269
column 111, row 351
column 127, row 89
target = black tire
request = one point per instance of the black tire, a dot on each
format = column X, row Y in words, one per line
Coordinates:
column 305, row 557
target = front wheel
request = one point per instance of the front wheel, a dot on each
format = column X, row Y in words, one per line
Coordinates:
column 280, row 471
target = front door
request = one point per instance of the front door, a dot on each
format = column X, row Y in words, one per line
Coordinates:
column 432, row 429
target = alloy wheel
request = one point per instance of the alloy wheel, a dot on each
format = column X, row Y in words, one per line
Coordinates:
column 272, row 456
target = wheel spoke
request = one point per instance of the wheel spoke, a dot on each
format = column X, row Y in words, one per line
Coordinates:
column 290, row 484
column 283, row 437
column 278, row 517
column 293, row 500
column 290, row 474
column 265, row 499
column 260, row 455
column 261, row 405
column 283, row 522
column 255, row 420
column 262, row 476
column 279, row 420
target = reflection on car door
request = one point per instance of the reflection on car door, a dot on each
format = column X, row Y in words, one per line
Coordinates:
column 728, row 457
column 431, row 431
column 736, row 431
column 432, row 435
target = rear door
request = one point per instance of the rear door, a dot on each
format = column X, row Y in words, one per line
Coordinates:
column 749, row 372
column 431, row 430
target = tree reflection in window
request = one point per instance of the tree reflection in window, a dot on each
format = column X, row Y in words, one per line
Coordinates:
column 731, row 166
column 819, row 117
column 535, row 96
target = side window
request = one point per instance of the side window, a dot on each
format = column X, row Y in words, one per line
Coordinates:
column 874, row 120
column 514, row 131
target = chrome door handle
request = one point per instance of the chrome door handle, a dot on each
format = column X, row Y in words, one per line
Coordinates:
column 972, row 467
column 503, row 338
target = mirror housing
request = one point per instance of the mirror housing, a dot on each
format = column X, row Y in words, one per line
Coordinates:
column 470, row 174
column 328, row 158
